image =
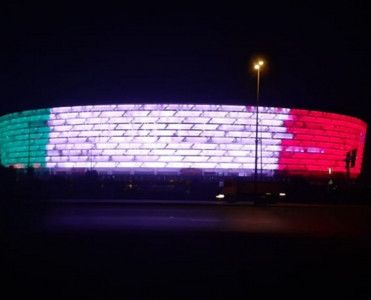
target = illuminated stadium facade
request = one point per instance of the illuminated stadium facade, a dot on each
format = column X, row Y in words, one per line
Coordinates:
column 171, row 138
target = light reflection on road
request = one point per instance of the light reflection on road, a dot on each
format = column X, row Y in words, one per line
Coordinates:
column 316, row 221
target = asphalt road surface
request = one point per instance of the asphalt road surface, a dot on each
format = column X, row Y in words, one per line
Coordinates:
column 171, row 249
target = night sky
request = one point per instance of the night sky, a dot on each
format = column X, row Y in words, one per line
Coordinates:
column 59, row 53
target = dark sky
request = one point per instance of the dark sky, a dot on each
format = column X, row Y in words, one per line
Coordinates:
column 57, row 53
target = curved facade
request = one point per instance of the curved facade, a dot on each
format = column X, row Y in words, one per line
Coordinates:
column 174, row 137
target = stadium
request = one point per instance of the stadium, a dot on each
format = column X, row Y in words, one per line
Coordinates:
column 181, row 138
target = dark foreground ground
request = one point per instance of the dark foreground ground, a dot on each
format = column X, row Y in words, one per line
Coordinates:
column 184, row 250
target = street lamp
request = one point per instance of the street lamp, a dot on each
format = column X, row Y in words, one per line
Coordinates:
column 257, row 67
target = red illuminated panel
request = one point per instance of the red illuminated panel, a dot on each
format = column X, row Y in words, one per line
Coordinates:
column 321, row 141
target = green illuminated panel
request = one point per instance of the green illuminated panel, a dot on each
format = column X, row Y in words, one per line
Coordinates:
column 23, row 138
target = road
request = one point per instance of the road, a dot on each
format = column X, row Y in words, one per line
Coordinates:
column 187, row 250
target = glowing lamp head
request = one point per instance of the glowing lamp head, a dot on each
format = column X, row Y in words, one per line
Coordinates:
column 258, row 64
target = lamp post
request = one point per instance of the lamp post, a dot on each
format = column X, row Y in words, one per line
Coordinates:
column 257, row 67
